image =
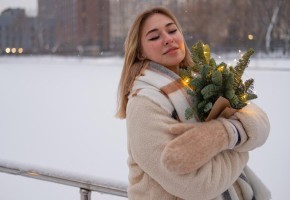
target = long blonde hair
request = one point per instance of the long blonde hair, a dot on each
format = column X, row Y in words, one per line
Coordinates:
column 133, row 62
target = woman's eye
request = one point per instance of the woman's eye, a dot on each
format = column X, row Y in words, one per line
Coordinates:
column 154, row 38
column 172, row 31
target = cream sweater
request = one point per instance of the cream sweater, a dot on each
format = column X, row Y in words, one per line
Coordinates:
column 148, row 133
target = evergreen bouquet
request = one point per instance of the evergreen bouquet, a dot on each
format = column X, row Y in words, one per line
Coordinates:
column 216, row 89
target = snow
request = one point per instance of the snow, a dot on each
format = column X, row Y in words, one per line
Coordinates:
column 58, row 113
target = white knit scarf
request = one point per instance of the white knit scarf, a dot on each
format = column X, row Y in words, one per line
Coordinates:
column 165, row 88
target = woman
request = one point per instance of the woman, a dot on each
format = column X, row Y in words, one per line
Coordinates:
column 170, row 157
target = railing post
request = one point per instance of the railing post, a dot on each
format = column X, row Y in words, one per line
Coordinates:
column 85, row 194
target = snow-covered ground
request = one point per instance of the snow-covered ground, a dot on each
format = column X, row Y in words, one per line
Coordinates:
column 58, row 112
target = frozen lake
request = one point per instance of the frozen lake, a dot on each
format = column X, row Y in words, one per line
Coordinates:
column 58, row 112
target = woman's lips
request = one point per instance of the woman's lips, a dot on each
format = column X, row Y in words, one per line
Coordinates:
column 170, row 50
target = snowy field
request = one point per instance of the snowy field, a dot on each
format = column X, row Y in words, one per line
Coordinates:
column 58, row 112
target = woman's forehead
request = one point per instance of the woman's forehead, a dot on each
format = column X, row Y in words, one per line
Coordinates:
column 156, row 21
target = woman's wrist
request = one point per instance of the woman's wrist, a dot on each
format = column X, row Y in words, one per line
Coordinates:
column 236, row 136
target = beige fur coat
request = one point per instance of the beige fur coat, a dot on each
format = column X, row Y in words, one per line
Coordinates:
column 149, row 179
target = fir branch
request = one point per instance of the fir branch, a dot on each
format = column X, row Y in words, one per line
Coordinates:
column 215, row 80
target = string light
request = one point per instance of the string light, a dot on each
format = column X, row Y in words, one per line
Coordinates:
column 244, row 97
column 206, row 52
column 220, row 68
column 185, row 81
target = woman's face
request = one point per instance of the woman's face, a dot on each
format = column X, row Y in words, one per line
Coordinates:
column 162, row 42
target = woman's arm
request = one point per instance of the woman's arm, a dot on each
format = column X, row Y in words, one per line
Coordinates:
column 148, row 134
column 199, row 142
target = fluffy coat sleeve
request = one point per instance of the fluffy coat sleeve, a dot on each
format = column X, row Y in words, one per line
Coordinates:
column 253, row 126
column 196, row 145
column 148, row 133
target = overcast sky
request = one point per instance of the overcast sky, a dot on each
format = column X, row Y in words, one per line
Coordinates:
column 29, row 5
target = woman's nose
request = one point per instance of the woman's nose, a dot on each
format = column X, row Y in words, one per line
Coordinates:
column 167, row 39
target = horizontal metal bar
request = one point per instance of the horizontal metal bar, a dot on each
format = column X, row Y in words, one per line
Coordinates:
column 100, row 185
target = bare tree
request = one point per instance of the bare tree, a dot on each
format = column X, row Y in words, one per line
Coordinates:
column 268, row 14
column 273, row 21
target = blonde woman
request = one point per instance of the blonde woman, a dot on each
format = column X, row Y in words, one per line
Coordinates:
column 170, row 157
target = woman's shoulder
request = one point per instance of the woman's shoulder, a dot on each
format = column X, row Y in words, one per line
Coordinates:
column 148, row 102
column 142, row 103
column 146, row 108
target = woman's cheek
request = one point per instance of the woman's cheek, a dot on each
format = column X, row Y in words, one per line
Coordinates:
column 156, row 46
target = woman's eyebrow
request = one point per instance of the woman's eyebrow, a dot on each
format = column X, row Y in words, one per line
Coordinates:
column 155, row 29
column 169, row 24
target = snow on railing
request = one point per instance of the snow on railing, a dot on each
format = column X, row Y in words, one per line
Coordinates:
column 84, row 182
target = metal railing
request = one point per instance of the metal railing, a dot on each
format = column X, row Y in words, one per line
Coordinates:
column 85, row 183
